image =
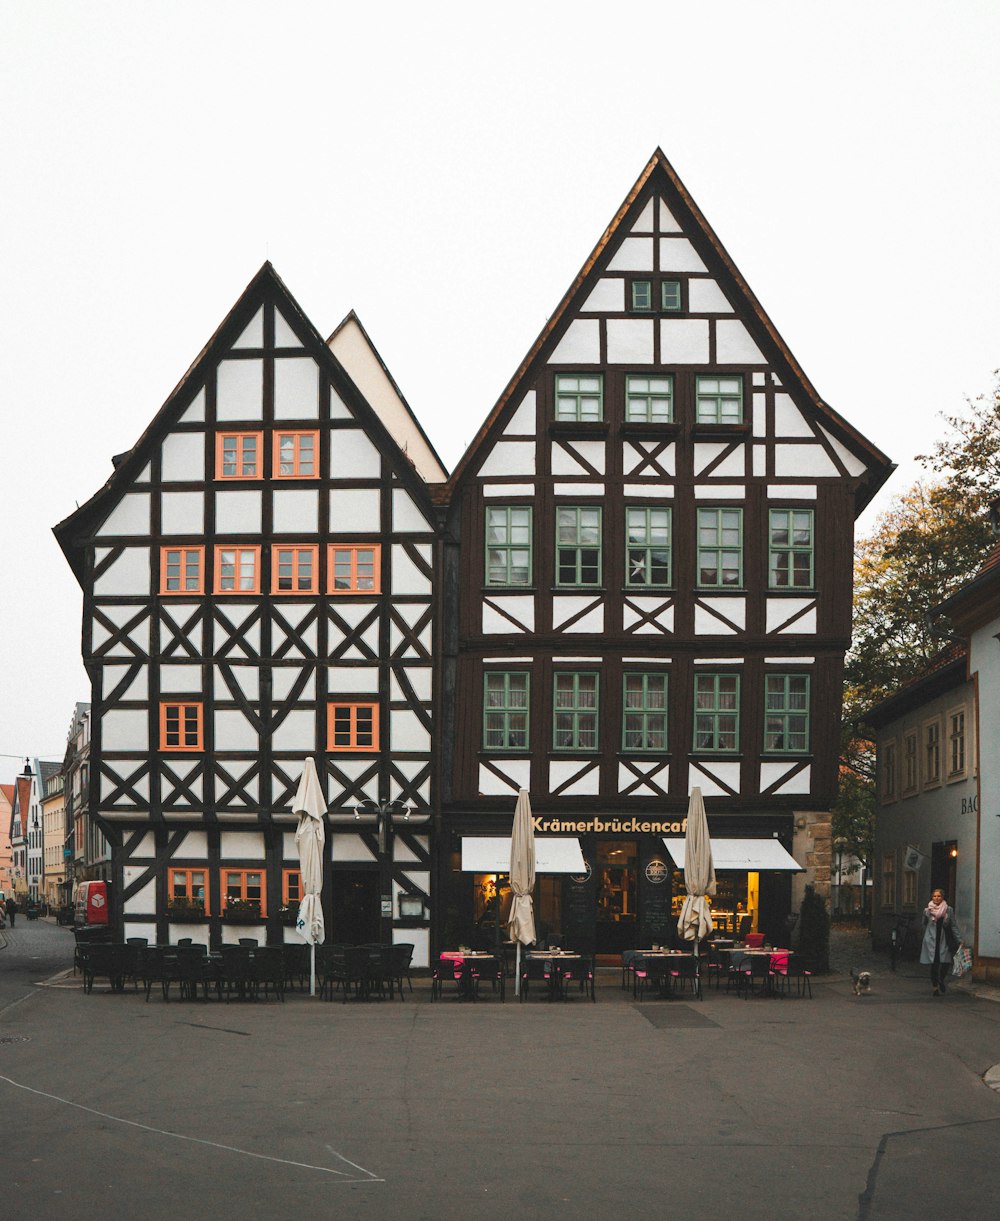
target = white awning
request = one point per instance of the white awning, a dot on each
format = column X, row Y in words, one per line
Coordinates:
column 758, row 855
column 491, row 854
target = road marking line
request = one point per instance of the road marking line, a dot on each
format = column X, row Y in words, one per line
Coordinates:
column 264, row 1157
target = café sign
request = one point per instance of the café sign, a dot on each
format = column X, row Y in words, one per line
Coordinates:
column 606, row 826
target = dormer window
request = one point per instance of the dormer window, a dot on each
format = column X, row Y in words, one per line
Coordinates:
column 647, row 296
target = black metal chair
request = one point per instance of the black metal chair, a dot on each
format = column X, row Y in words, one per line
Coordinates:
column 652, row 972
column 267, row 971
column 194, row 969
column 106, row 960
column 402, row 956
column 755, row 975
column 298, row 963
column 539, row 971
column 448, row 971
column 684, row 973
column 160, row 966
column 491, row 970
column 235, row 972
column 581, row 972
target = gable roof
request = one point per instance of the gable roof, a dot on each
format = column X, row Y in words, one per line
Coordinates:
column 351, row 344
column 947, row 670
column 74, row 532
column 659, row 176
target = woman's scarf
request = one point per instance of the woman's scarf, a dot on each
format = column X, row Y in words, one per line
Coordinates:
column 937, row 910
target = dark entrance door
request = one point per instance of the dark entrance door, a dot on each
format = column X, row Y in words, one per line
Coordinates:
column 355, row 914
column 617, row 870
column 944, row 870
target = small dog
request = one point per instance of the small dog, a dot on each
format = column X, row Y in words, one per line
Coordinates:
column 862, row 982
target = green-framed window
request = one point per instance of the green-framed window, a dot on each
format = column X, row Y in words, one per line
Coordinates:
column 786, row 713
column 644, row 712
column 717, row 713
column 508, row 545
column 578, row 545
column 575, row 705
column 719, row 400
column 580, row 397
column 642, row 295
column 506, row 709
column 720, row 548
column 670, row 296
column 792, row 542
column 649, row 400
column 647, row 546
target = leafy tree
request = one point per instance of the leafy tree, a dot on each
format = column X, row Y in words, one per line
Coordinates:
column 970, row 454
column 932, row 539
column 854, row 816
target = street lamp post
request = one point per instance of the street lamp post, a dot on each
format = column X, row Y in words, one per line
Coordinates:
column 384, row 813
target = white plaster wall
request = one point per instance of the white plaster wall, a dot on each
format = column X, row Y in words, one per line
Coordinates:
column 355, row 510
column 179, row 679
column 197, row 932
column 352, row 455
column 143, row 902
column 580, row 345
column 234, row 732
column 420, row 938
column 706, row 297
column 420, row 678
column 252, row 335
column 129, row 575
column 195, row 412
column 853, row 465
column 284, row 336
column 733, row 344
column 510, row 458
column 522, row 422
column 684, row 341
column 792, row 491
column 112, row 675
column 297, row 732
column 241, row 846
column 811, row 461
column 630, row 341
column 406, row 577
column 564, row 462
column 182, row 457
column 644, row 223
column 240, row 390
column 984, row 660
column 606, row 297
column 677, row 254
column 522, row 608
column 296, row 511
column 406, row 733
column 667, row 222
column 238, row 512
column 352, row 680
column 182, row 513
column 406, row 517
column 125, row 729
column 788, row 420
column 516, row 771
column 296, row 388
column 129, row 517
column 346, row 846
column 587, row 785
column 634, row 254
column 246, row 678
column 193, row 845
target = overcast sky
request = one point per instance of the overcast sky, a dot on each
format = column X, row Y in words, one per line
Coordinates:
column 445, row 173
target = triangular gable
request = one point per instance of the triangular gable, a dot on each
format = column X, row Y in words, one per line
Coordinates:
column 242, row 328
column 354, row 349
column 659, row 209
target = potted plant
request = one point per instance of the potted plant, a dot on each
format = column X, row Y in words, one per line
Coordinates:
column 289, row 915
column 186, row 911
column 243, row 911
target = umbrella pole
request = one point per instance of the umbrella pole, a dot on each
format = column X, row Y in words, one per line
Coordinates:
column 312, row 971
column 517, row 972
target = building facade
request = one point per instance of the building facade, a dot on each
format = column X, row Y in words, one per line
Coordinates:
column 53, row 841
column 258, row 579
column 926, row 828
column 652, row 556
column 6, row 853
column 637, row 581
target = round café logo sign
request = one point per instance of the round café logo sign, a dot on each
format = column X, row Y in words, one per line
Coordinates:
column 656, row 872
column 584, row 877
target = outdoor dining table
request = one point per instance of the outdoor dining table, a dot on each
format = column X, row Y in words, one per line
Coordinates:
column 658, row 954
column 561, row 960
column 465, row 961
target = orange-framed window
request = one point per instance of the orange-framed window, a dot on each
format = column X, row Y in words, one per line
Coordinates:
column 237, row 570
column 352, row 727
column 239, row 455
column 355, row 569
column 294, row 569
column 291, row 887
column 245, row 887
column 182, row 570
column 189, row 884
column 181, row 726
column 296, row 455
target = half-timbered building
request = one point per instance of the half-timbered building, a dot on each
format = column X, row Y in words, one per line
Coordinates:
column 258, row 579
column 651, row 544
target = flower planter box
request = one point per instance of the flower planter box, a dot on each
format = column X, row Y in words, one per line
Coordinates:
column 194, row 914
column 242, row 913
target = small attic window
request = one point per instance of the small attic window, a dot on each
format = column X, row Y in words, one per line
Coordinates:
column 642, row 294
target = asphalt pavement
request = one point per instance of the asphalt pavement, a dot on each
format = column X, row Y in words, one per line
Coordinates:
column 838, row 1107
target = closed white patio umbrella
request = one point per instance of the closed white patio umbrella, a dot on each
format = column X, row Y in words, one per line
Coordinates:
column 521, row 923
column 695, row 920
column 310, row 838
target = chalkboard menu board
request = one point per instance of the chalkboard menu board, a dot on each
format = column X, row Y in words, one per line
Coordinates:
column 579, row 914
column 657, row 923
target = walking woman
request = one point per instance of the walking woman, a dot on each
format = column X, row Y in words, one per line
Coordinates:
column 941, row 940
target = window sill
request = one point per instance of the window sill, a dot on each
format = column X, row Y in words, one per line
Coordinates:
column 728, row 756
column 712, row 431
column 645, row 428
column 715, row 590
column 507, row 589
column 581, row 429
column 780, row 756
column 576, row 589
